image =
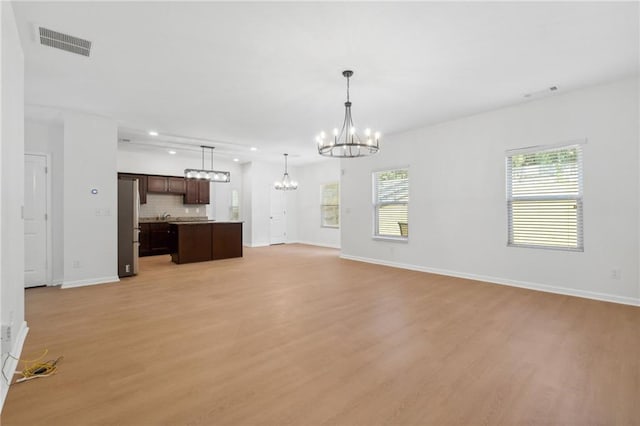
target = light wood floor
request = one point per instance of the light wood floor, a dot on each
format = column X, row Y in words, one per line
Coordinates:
column 293, row 335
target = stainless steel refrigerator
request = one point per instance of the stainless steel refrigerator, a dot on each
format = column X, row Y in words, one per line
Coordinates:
column 128, row 227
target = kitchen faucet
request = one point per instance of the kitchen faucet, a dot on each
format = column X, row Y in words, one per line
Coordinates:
column 165, row 215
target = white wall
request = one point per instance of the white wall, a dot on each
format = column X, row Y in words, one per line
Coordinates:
column 457, row 213
column 159, row 163
column 310, row 179
column 48, row 138
column 245, row 204
column 90, row 220
column 258, row 182
column 12, row 197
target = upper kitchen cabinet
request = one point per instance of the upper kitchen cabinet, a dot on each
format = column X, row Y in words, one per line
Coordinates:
column 197, row 191
column 142, row 184
column 177, row 185
column 166, row 184
column 157, row 184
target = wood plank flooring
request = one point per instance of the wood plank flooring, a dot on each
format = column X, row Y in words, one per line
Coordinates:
column 293, row 335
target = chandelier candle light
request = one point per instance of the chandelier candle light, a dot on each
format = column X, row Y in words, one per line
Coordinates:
column 347, row 143
column 212, row 175
column 286, row 184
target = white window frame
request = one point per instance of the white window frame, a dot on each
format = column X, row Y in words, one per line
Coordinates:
column 322, row 206
column 576, row 196
column 234, row 210
column 377, row 205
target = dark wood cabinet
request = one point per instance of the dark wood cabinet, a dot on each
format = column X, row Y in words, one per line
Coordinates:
column 197, row 191
column 226, row 240
column 194, row 191
column 154, row 238
column 190, row 243
column 176, row 185
column 145, row 240
column 166, row 184
column 199, row 242
column 157, row 184
column 142, row 184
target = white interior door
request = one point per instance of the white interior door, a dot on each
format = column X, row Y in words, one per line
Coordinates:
column 278, row 224
column 35, row 220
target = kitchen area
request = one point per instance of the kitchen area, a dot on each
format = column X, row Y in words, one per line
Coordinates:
column 172, row 215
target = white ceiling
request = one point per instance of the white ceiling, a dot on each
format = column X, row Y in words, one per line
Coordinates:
column 237, row 75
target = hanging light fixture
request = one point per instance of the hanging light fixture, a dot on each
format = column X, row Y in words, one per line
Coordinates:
column 347, row 143
column 212, row 175
column 286, row 184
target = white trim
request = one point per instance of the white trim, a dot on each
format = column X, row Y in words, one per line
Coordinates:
column 90, row 281
column 310, row 243
column 257, row 245
column 549, row 147
column 503, row 281
column 56, row 282
column 49, row 207
column 390, row 238
column 12, row 363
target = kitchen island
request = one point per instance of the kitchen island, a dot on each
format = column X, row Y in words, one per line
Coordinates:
column 200, row 241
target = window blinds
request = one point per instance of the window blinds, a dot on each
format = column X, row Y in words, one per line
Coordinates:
column 391, row 203
column 544, row 198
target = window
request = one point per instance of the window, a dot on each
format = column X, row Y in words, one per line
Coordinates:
column 234, row 207
column 544, row 197
column 391, row 203
column 330, row 205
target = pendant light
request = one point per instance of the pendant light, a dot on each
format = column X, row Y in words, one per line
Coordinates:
column 210, row 174
column 346, row 142
column 286, row 184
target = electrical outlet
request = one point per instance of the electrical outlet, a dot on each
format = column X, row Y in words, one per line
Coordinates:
column 616, row 273
column 76, row 264
column 5, row 337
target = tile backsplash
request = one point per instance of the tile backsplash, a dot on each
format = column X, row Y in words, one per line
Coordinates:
column 159, row 204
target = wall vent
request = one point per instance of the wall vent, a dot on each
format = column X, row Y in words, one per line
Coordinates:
column 64, row 41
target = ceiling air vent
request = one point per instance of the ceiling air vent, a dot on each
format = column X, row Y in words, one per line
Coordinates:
column 64, row 41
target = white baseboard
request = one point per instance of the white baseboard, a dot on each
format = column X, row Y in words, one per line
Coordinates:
column 12, row 363
column 503, row 281
column 90, row 281
column 310, row 243
column 257, row 245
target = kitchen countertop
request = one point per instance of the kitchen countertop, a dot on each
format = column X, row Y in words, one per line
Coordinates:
column 199, row 222
column 173, row 219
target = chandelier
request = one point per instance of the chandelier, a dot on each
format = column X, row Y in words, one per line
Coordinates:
column 346, row 142
column 286, row 184
column 210, row 174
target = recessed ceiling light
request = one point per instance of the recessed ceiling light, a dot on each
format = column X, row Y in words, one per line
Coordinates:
column 153, row 133
column 172, row 152
column 253, row 148
column 236, row 160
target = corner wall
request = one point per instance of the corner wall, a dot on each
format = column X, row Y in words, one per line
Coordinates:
column 12, row 196
column 90, row 220
column 48, row 138
column 457, row 211
column 258, row 179
column 310, row 178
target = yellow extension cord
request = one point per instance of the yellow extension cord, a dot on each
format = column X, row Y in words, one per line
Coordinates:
column 38, row 368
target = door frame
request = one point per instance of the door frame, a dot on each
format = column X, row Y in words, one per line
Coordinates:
column 285, row 238
column 48, row 206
